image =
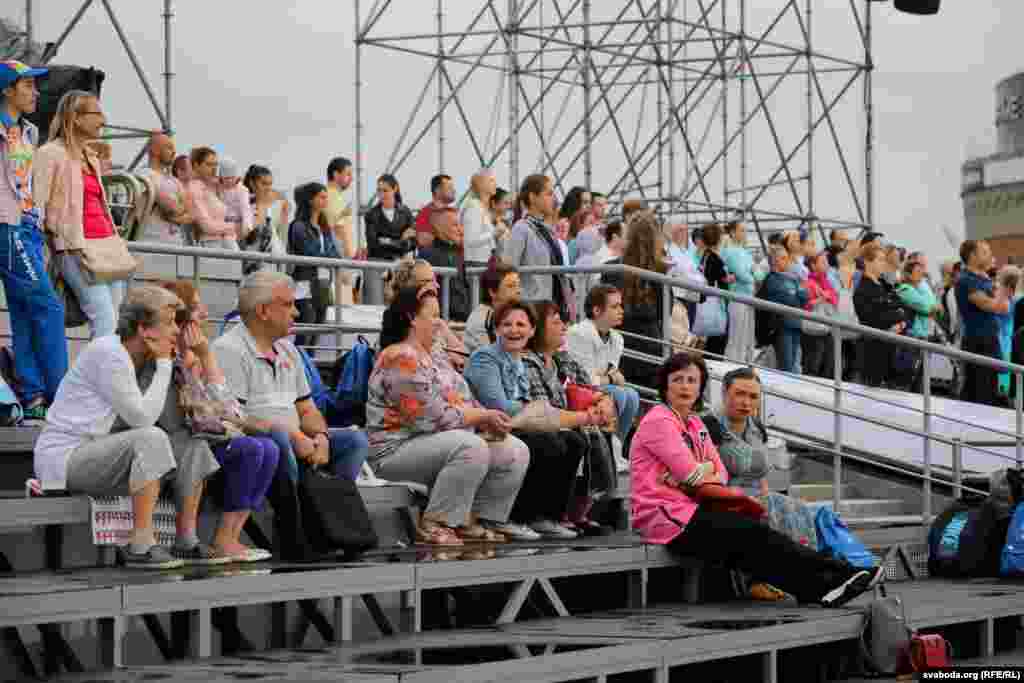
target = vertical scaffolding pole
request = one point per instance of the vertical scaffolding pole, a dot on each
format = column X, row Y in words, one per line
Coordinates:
column 810, row 121
column 660, row 107
column 744, row 170
column 440, row 87
column 168, row 17
column 869, row 121
column 357, row 161
column 669, row 52
column 513, row 93
column 588, row 130
column 30, row 32
column 726, row 77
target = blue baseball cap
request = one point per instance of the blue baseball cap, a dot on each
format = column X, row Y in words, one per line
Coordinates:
column 11, row 70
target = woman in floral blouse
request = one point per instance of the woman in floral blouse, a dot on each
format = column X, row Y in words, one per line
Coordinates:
column 421, row 422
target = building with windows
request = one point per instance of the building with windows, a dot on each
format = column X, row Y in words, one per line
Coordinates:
column 992, row 187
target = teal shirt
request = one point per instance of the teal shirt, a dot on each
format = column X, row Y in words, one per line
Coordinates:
column 740, row 262
column 921, row 300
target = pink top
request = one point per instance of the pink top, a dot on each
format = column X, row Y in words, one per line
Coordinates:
column 208, row 212
column 825, row 287
column 659, row 447
column 96, row 223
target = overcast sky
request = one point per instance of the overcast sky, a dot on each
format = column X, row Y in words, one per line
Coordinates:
column 274, row 85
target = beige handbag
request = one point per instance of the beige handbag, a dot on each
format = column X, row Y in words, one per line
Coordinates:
column 107, row 259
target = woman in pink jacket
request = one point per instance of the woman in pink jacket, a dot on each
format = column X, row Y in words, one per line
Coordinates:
column 672, row 455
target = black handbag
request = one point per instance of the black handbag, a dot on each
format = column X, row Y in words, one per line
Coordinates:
column 334, row 515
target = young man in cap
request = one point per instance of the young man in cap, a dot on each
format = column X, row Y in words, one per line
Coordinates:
column 37, row 315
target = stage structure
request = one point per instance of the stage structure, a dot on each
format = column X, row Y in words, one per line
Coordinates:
column 24, row 47
column 708, row 109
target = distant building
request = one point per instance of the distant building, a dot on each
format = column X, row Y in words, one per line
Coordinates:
column 992, row 187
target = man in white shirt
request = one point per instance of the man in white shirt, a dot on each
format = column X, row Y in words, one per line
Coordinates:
column 76, row 447
column 597, row 347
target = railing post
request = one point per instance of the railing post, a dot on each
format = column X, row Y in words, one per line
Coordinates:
column 1018, row 399
column 474, row 291
column 446, row 292
column 195, row 270
column 926, row 393
column 337, row 307
column 958, row 469
column 666, row 320
column 837, row 426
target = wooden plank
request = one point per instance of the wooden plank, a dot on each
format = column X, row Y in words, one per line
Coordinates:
column 18, row 513
column 60, row 606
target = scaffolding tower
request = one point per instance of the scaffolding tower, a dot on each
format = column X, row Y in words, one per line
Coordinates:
column 709, row 110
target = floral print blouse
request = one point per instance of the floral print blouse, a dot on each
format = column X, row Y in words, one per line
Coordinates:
column 411, row 395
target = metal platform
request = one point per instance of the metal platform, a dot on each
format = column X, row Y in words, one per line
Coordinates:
column 634, row 644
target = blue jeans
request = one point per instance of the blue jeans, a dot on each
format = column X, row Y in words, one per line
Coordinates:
column 37, row 315
column 787, row 346
column 348, row 448
column 627, row 405
column 100, row 301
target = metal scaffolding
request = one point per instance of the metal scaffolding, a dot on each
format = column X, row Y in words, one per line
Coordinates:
column 162, row 110
column 708, row 109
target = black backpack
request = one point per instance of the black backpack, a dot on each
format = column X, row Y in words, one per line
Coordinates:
column 766, row 323
column 976, row 550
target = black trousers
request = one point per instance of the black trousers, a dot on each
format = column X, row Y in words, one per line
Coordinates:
column 816, row 356
column 981, row 384
column 743, row 543
column 876, row 362
column 550, row 479
column 313, row 311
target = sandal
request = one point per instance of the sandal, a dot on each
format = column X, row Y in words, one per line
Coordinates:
column 765, row 592
column 474, row 533
column 437, row 534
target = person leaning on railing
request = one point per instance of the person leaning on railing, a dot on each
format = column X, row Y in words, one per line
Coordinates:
column 781, row 288
column 672, row 456
column 77, row 448
column 878, row 307
column 498, row 377
column 421, row 419
column 310, row 234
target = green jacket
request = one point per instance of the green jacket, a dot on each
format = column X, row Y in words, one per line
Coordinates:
column 921, row 300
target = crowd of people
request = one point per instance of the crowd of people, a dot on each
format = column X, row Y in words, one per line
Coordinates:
column 512, row 424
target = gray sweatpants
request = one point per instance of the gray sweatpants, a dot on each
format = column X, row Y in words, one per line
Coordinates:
column 120, row 464
column 465, row 473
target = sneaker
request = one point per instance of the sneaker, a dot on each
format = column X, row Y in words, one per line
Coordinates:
column 157, row 557
column 36, row 412
column 551, row 529
column 199, row 554
column 856, row 585
column 513, row 531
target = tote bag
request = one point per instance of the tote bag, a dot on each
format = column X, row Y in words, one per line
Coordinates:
column 711, row 319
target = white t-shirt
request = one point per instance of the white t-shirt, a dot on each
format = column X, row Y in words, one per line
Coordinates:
column 99, row 388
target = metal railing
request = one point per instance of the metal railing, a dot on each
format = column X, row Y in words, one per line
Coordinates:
column 668, row 284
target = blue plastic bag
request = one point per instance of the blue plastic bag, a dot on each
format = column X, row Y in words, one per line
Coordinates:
column 1011, row 561
column 834, row 537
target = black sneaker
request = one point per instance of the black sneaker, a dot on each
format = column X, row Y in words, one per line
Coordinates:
column 858, row 584
column 156, row 557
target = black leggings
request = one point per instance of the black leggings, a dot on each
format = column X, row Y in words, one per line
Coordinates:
column 550, row 479
column 742, row 543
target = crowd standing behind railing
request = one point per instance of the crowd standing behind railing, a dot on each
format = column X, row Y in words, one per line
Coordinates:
column 519, row 353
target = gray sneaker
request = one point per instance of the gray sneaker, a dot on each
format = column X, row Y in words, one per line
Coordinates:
column 157, row 557
column 200, row 554
column 551, row 529
column 514, row 532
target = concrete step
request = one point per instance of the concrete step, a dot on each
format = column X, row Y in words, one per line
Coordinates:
column 817, row 491
column 864, row 507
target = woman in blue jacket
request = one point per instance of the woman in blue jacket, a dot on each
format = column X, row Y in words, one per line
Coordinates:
column 310, row 235
column 783, row 289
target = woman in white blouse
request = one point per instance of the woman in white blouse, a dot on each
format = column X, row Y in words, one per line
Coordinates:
column 478, row 226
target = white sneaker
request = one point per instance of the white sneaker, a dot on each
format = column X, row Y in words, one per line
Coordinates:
column 551, row 529
column 514, row 532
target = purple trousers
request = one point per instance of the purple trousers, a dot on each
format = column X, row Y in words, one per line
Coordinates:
column 249, row 464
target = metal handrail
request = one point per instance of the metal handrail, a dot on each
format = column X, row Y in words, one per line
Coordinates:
column 668, row 284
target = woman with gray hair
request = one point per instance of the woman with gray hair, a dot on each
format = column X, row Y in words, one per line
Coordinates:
column 66, row 179
column 77, row 449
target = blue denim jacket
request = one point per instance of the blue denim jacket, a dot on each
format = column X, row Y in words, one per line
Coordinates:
column 498, row 380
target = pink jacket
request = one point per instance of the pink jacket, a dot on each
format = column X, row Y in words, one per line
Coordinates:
column 58, row 189
column 208, row 212
column 661, row 512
